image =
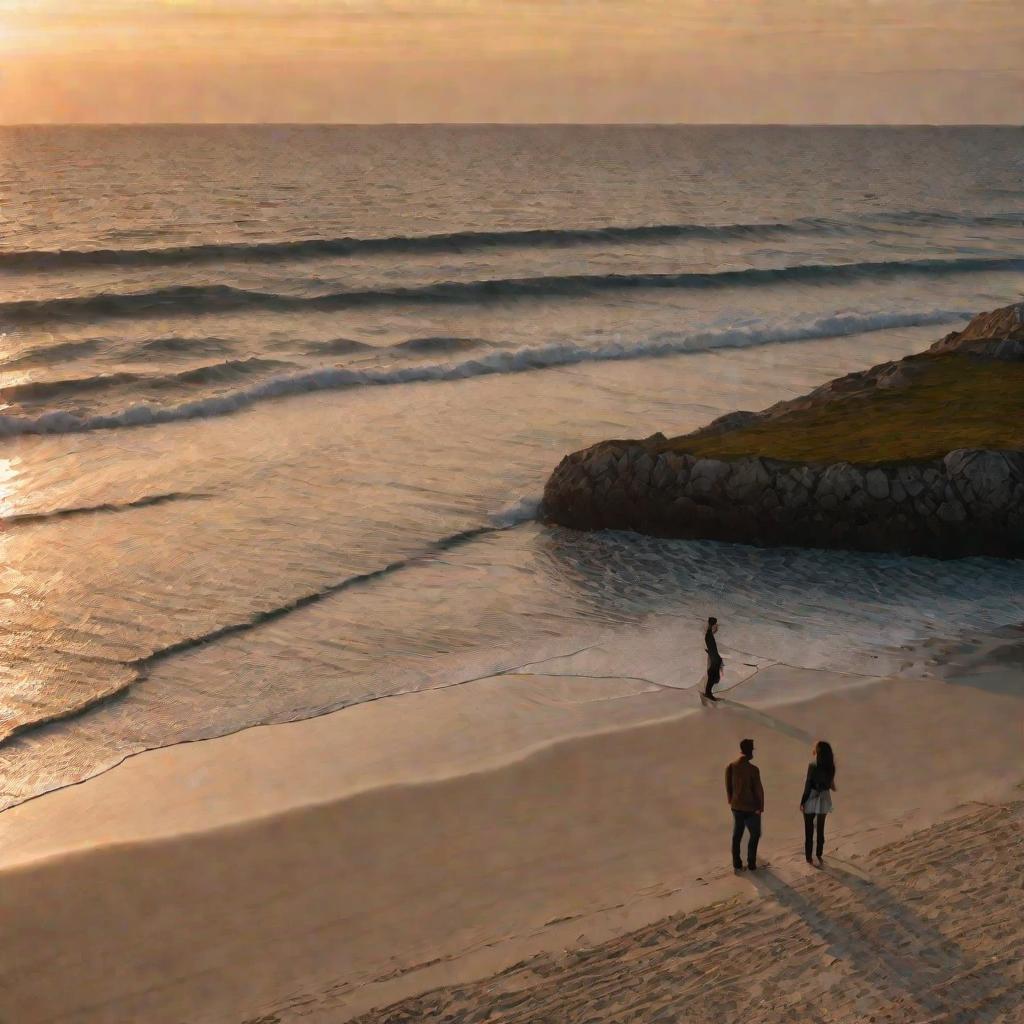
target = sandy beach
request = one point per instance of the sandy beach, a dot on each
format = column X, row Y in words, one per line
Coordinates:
column 923, row 929
column 571, row 825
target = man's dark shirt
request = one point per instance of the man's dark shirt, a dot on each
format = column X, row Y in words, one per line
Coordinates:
column 712, row 649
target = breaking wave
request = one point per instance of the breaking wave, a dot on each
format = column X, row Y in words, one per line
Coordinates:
column 495, row 362
column 216, row 373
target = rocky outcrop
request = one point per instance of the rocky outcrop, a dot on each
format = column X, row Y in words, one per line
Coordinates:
column 998, row 335
column 969, row 503
column 995, row 335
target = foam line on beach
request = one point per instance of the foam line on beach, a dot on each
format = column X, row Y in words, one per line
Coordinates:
column 503, row 361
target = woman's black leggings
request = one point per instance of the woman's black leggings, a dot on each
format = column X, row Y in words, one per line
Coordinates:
column 809, row 820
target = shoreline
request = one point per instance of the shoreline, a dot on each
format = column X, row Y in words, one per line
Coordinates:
column 364, row 856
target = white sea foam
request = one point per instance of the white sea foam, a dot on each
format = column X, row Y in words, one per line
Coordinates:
column 521, row 511
column 498, row 362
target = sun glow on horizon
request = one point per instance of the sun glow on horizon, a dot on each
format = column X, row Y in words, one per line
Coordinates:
column 518, row 60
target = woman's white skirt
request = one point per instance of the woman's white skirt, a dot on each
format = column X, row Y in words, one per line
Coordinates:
column 819, row 802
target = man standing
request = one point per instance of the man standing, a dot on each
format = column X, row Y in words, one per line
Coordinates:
column 714, row 659
column 746, row 798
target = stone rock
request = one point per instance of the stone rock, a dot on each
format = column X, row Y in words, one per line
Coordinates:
column 602, row 463
column 909, row 478
column 1010, row 350
column 839, row 480
column 1005, row 324
column 988, row 477
column 641, row 470
column 858, row 501
column 895, row 375
column 747, row 480
column 707, row 476
column 807, row 476
column 684, row 466
column 791, row 491
column 952, row 512
column 663, row 474
column 877, row 484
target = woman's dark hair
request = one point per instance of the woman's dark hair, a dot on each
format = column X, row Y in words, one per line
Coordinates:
column 825, row 762
column 712, row 621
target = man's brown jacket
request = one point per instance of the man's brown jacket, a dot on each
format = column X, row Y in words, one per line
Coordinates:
column 743, row 786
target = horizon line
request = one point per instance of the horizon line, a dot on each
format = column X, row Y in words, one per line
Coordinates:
column 512, row 124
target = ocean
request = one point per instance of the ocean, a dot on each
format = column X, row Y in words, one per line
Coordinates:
column 279, row 404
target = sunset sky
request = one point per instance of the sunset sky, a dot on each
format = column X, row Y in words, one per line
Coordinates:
column 950, row 61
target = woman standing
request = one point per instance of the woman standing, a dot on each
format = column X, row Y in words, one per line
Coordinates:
column 816, row 801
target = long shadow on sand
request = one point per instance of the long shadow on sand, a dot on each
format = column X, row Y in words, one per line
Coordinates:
column 899, row 956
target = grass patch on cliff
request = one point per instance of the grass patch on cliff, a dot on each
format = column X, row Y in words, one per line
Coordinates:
column 956, row 402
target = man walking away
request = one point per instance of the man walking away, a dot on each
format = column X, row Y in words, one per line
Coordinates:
column 746, row 798
column 714, row 659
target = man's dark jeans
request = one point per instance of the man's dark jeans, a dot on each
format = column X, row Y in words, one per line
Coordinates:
column 714, row 677
column 752, row 823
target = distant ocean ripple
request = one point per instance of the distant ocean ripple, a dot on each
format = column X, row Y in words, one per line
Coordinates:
column 467, row 241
